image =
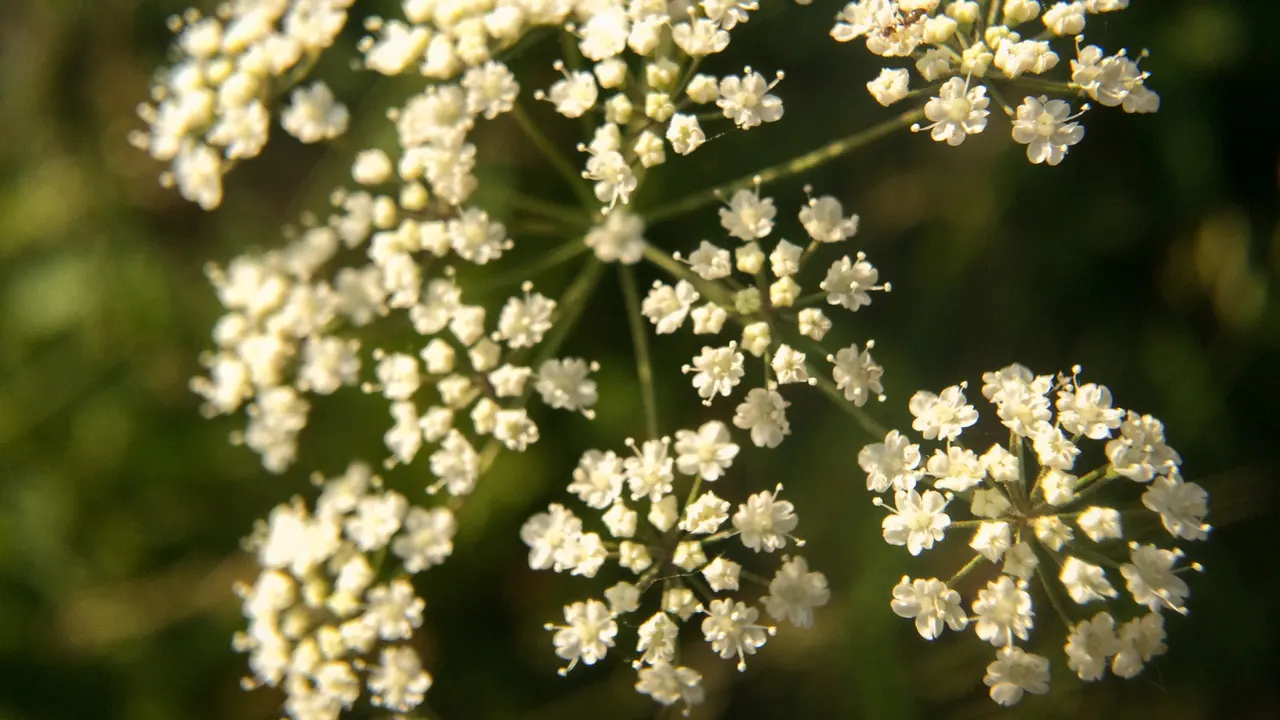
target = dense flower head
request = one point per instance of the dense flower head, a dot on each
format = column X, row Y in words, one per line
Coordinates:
column 967, row 47
column 321, row 624
column 1024, row 500
column 682, row 561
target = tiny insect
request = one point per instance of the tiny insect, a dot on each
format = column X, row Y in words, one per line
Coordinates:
column 903, row 22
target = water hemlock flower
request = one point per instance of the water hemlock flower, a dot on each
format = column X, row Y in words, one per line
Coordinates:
column 398, row 290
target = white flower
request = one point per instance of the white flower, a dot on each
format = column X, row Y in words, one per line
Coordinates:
column 748, row 216
column 890, row 86
column 614, row 178
column 707, row 452
column 958, row 469
column 719, row 370
column 931, row 603
column 764, row 414
column 992, row 539
column 1140, row 453
column 823, row 219
column 620, row 238
column 426, row 538
column 393, row 610
column 685, row 134
column 598, row 479
column 795, row 591
column 623, row 598
column 764, row 522
column 476, row 238
column 1087, row 411
column 398, row 682
column 721, row 574
column 666, row 684
column 663, row 513
column 892, row 463
column 1053, row 449
column 649, row 470
column 666, row 307
column 656, row 638
column 1015, row 672
column 313, row 114
column 1090, row 644
column 575, row 94
column 1150, row 578
column 917, row 521
column 1059, row 487
column 1181, row 505
column 730, row 628
column 491, row 89
column 371, row 167
column 587, row 635
column 1052, row 532
column 856, row 373
column 1045, row 127
column 746, row 101
column 699, row 36
column 375, row 520
column 564, row 384
column 788, row 366
column 710, row 262
column 785, row 259
column 1020, row 561
column 1003, row 612
column 621, row 521
column 197, row 170
column 1084, row 581
column 1100, row 523
column 547, row 533
column 1140, row 640
column 957, row 112
column 705, row 515
column 849, row 282
column 942, row 416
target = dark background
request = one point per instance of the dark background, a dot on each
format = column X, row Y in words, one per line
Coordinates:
column 1151, row 256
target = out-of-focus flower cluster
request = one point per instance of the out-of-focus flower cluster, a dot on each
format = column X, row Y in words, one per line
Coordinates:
column 1036, row 516
column 964, row 49
column 675, row 563
column 212, row 106
column 325, row 619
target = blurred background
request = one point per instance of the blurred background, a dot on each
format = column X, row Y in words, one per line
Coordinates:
column 1151, row 256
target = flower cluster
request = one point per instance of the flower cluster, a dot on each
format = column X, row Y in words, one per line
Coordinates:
column 324, row 621
column 211, row 108
column 641, row 60
column 666, row 557
column 280, row 340
column 962, row 53
column 1034, row 515
column 769, row 310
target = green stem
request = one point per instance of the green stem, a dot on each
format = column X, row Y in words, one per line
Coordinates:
column 559, row 256
column 1047, row 86
column 544, row 208
column 568, row 172
column 640, row 342
column 968, row 568
column 795, row 166
column 1054, row 600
